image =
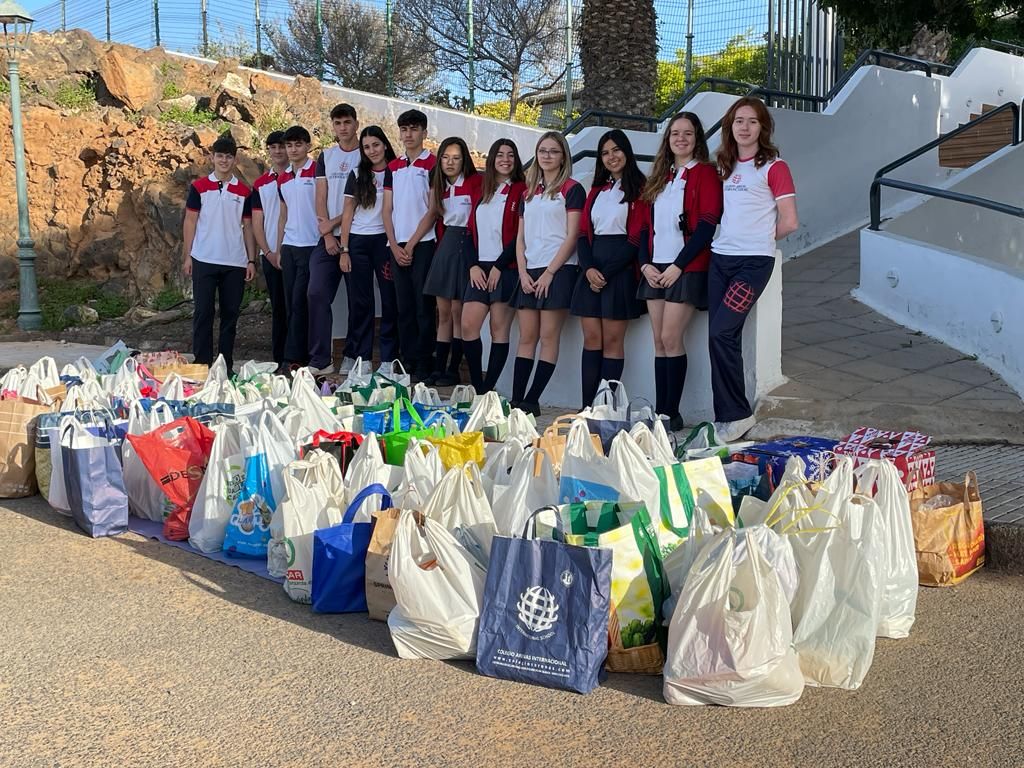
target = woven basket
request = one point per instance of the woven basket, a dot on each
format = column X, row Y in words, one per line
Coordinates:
column 642, row 660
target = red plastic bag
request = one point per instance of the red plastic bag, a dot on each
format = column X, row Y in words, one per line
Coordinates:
column 175, row 455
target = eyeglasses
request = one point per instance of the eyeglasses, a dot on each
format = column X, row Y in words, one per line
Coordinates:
column 549, row 152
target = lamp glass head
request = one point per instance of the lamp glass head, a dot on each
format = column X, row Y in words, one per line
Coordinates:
column 16, row 24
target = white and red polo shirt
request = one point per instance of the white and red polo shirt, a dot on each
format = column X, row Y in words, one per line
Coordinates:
column 544, row 222
column 410, row 193
column 298, row 190
column 750, row 212
column 222, row 206
column 265, row 197
column 368, row 221
column 334, row 165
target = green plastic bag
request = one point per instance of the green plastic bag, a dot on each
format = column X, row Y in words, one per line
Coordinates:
column 397, row 440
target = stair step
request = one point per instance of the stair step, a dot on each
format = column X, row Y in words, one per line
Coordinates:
column 979, row 142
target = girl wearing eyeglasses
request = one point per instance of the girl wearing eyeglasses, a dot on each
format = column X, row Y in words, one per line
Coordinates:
column 685, row 194
column 759, row 209
column 546, row 255
column 493, row 277
column 613, row 228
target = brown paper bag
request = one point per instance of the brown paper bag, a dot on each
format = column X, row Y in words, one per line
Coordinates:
column 950, row 541
column 380, row 597
column 17, row 447
column 552, row 442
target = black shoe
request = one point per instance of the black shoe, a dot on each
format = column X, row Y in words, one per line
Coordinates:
column 676, row 423
column 528, row 407
column 446, row 379
column 431, row 378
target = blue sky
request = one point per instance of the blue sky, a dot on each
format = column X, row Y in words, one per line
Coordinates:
column 715, row 21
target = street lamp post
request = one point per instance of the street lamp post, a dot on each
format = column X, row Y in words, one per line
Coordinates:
column 17, row 24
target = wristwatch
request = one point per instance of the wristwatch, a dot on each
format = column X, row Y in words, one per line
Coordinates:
column 344, row 248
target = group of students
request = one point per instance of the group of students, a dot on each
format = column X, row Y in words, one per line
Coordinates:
column 452, row 247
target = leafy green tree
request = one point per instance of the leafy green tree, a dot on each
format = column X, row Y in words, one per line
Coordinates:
column 526, row 113
column 743, row 58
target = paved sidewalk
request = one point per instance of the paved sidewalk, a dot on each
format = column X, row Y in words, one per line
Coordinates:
column 849, row 365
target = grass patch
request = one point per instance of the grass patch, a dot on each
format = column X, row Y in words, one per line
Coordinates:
column 75, row 95
column 167, row 68
column 169, row 296
column 172, row 91
column 5, row 87
column 276, row 119
column 57, row 295
column 252, row 293
column 177, row 114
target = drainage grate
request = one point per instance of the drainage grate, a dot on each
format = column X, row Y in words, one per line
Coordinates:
column 999, row 477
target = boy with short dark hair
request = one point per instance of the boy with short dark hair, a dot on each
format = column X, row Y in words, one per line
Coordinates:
column 332, row 170
column 218, row 252
column 405, row 204
column 297, row 237
column 265, row 202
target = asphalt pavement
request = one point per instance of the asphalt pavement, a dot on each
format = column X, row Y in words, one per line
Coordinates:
column 127, row 652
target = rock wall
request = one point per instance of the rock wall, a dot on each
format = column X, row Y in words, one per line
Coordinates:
column 107, row 180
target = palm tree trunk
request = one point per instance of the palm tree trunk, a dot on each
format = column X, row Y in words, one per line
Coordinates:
column 619, row 54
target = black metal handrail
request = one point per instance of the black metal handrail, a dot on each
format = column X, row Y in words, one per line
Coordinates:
column 875, row 193
column 753, row 90
column 945, row 194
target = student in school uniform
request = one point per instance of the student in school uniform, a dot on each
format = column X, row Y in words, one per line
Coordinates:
column 297, row 236
column 333, row 167
column 493, row 276
column 266, row 210
column 546, row 255
column 454, row 190
column 759, row 208
column 364, row 249
column 685, row 194
column 405, row 203
column 613, row 230
column 218, row 253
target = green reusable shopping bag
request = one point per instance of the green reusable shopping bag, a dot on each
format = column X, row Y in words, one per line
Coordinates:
column 397, row 440
column 676, row 499
column 639, row 585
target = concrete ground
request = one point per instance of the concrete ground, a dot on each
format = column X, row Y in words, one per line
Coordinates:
column 128, row 652
column 849, row 366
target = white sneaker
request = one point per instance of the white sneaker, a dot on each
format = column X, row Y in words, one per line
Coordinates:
column 327, row 370
column 731, row 431
column 346, row 366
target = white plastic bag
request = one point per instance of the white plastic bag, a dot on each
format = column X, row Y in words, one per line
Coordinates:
column 278, row 446
column 486, row 412
column 438, row 592
column 422, row 471
column 899, row 569
column 313, row 413
column 460, row 505
column 462, row 394
column 654, row 443
column 45, row 369
column 531, row 486
column 313, row 492
column 172, row 388
column 368, row 468
column 219, row 488
column 610, row 403
column 424, row 395
column 730, row 639
column 393, row 370
column 498, row 465
column 522, row 427
column 145, row 497
column 586, row 474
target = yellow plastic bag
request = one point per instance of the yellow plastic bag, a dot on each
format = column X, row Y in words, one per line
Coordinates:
column 456, row 450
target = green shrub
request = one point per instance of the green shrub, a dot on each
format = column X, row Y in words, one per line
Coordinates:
column 526, row 114
column 195, row 116
column 170, row 295
column 5, row 87
column 172, row 91
column 75, row 95
column 57, row 295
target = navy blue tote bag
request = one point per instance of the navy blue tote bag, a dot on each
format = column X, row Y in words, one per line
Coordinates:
column 339, row 559
column 545, row 613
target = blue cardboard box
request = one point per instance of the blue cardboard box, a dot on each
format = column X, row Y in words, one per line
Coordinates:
column 771, row 457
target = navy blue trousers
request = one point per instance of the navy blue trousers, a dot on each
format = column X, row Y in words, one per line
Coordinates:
column 735, row 283
column 371, row 257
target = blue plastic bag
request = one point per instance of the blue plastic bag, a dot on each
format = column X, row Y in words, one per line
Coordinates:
column 545, row 613
column 94, row 482
column 248, row 531
column 339, row 559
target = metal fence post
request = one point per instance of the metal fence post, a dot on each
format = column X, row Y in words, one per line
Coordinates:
column 156, row 21
column 108, row 20
column 390, row 53
column 259, row 34
column 63, row 15
column 206, row 31
column 568, row 62
column 472, row 54
column 689, row 43
column 320, row 40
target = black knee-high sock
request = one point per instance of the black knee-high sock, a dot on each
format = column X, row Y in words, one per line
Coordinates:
column 611, row 368
column 474, row 351
column 541, row 377
column 590, row 375
column 495, row 364
column 520, row 378
column 676, row 377
column 441, row 355
column 660, row 384
column 456, row 359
